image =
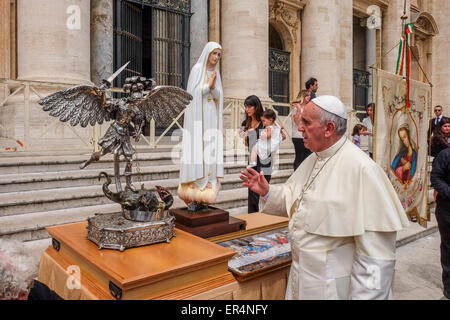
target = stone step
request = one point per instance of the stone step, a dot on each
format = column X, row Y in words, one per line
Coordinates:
column 67, row 162
column 31, row 226
column 88, row 177
column 23, row 202
column 11, row 165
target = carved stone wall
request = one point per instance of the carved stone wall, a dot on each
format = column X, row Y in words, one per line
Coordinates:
column 327, row 47
column 245, row 36
column 53, row 40
column 102, row 43
column 284, row 16
column 440, row 55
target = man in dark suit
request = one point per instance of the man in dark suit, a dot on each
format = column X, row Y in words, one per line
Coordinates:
column 434, row 122
column 440, row 181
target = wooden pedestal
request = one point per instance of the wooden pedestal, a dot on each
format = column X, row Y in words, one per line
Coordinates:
column 187, row 265
column 207, row 223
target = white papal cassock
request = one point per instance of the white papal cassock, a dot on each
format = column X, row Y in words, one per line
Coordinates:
column 343, row 226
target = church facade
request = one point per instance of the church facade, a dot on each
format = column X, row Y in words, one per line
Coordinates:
column 271, row 47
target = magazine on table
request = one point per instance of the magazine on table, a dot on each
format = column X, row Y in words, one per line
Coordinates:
column 260, row 251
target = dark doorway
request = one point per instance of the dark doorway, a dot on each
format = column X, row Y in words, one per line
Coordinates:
column 279, row 69
column 361, row 83
column 154, row 36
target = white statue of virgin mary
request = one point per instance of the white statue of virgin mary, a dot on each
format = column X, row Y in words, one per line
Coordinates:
column 202, row 145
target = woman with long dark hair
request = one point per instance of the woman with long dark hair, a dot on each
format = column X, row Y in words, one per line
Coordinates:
column 441, row 137
column 252, row 127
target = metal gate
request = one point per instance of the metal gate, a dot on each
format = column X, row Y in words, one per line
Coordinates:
column 168, row 21
column 279, row 68
column 170, row 42
column 154, row 36
column 127, row 39
column 361, row 85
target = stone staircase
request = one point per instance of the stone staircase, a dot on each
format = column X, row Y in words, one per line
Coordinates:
column 46, row 189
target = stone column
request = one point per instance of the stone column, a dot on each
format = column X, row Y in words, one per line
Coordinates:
column 102, row 40
column 371, row 59
column 199, row 29
column 53, row 40
column 245, row 37
column 345, row 53
column 5, row 48
column 392, row 31
column 440, row 58
column 327, row 47
column 214, row 21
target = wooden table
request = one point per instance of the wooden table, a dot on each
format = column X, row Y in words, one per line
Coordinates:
column 186, row 268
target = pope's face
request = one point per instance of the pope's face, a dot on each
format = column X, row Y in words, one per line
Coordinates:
column 404, row 137
column 214, row 57
column 314, row 131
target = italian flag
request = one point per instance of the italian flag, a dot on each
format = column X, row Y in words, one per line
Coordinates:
column 409, row 28
column 401, row 56
column 404, row 53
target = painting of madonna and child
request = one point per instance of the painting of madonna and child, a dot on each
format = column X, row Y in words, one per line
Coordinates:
column 401, row 140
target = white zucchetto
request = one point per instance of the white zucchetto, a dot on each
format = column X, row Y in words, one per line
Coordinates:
column 331, row 104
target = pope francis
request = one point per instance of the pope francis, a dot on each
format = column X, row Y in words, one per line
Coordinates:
column 344, row 213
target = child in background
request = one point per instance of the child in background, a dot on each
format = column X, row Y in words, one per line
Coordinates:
column 356, row 139
column 270, row 138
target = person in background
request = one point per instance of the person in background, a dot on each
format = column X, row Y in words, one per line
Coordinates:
column 368, row 123
column 252, row 128
column 441, row 137
column 357, row 129
column 17, row 272
column 435, row 121
column 301, row 153
column 312, row 85
column 270, row 139
column 440, row 181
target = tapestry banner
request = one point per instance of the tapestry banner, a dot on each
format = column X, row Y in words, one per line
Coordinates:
column 400, row 140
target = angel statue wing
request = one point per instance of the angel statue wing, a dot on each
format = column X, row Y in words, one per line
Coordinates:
column 164, row 103
column 81, row 104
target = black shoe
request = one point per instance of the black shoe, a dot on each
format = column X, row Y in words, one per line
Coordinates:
column 446, row 295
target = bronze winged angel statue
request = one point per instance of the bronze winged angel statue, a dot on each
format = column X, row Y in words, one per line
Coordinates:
column 89, row 104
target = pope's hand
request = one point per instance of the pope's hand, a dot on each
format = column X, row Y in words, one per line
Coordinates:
column 255, row 181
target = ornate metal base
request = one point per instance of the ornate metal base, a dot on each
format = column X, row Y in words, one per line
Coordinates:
column 113, row 231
